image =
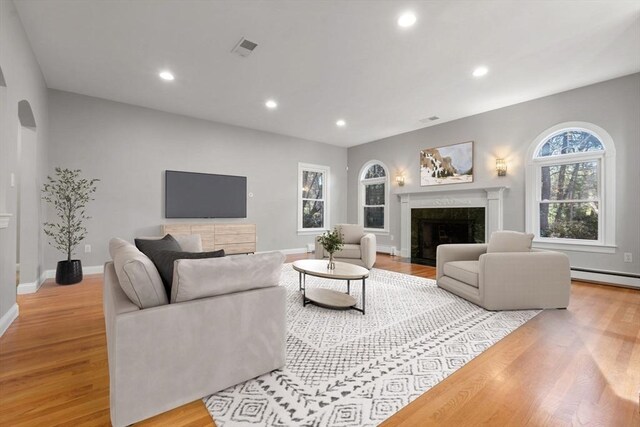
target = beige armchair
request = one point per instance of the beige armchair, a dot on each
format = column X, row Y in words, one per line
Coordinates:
column 505, row 274
column 359, row 247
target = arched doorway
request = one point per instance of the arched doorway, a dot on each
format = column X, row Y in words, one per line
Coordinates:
column 28, row 202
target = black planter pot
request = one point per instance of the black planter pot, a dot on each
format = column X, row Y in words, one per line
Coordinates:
column 69, row 272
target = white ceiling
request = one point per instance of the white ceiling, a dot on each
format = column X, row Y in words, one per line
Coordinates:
column 325, row 60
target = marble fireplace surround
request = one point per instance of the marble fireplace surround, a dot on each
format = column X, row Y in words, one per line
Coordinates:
column 490, row 198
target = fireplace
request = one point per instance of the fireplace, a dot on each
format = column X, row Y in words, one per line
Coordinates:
column 431, row 227
column 489, row 199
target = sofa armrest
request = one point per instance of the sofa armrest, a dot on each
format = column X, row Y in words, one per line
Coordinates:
column 319, row 251
column 519, row 280
column 457, row 252
column 368, row 249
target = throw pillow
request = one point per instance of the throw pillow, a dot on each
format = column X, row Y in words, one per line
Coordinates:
column 148, row 246
column 509, row 241
column 211, row 277
column 138, row 277
column 165, row 260
column 187, row 242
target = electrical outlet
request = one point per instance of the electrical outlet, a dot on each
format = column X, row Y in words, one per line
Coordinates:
column 628, row 257
column 13, row 179
column 87, row 249
column 391, row 237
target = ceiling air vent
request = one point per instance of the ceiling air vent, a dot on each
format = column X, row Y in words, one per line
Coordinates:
column 429, row 119
column 244, row 47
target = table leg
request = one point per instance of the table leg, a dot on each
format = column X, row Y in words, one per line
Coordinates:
column 300, row 280
column 363, row 287
column 304, row 290
column 348, row 287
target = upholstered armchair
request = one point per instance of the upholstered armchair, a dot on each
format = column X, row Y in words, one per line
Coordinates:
column 505, row 274
column 359, row 247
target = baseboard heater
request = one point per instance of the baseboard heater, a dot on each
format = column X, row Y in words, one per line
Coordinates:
column 612, row 273
column 617, row 278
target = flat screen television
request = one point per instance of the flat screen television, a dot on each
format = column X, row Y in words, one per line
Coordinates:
column 204, row 195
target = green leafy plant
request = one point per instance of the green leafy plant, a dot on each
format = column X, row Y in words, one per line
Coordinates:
column 69, row 194
column 331, row 241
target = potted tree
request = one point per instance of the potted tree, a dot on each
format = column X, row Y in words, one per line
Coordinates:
column 331, row 241
column 69, row 194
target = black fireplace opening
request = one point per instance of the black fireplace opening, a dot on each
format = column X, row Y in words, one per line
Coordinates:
column 431, row 227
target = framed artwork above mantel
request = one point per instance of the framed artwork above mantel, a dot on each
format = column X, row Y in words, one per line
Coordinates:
column 449, row 164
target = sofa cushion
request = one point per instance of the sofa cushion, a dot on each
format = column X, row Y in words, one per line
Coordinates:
column 464, row 271
column 351, row 233
column 164, row 262
column 148, row 246
column 509, row 241
column 138, row 277
column 348, row 251
column 202, row 278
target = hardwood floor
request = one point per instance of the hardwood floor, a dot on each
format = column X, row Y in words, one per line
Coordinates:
column 564, row 367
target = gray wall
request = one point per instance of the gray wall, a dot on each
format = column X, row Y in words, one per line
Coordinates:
column 613, row 105
column 24, row 81
column 128, row 148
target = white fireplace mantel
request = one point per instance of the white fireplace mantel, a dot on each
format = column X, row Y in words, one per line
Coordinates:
column 490, row 198
column 4, row 220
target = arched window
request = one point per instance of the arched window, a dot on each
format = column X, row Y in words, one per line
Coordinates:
column 571, row 187
column 373, row 197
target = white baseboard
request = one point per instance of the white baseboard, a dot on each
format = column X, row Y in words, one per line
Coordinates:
column 92, row 269
column 629, row 282
column 8, row 318
column 386, row 249
column 32, row 287
column 28, row 288
column 293, row 251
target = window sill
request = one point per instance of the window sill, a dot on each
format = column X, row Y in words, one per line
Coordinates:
column 577, row 247
column 315, row 231
column 376, row 231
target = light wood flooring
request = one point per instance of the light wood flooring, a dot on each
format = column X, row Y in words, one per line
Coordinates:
column 579, row 366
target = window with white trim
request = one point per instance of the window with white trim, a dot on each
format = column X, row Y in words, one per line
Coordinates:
column 373, row 196
column 570, row 186
column 313, row 198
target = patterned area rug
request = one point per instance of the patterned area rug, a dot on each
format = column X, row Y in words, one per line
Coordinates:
column 345, row 369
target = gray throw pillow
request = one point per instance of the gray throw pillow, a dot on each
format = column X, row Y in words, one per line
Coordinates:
column 165, row 260
column 148, row 246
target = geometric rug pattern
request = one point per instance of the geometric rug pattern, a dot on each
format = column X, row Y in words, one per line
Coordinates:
column 345, row 369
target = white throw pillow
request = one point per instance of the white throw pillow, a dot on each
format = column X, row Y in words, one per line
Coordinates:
column 202, row 278
column 509, row 241
column 137, row 275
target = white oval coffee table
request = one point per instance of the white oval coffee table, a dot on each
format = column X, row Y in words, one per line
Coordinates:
column 329, row 298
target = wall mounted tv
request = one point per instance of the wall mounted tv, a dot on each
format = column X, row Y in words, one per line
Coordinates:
column 203, row 195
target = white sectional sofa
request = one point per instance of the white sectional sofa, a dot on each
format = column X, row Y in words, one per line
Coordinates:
column 167, row 355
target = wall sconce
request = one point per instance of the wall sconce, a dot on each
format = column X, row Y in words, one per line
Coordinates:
column 400, row 180
column 501, row 167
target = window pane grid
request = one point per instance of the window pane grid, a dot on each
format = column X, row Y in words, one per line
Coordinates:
column 313, row 198
column 373, row 196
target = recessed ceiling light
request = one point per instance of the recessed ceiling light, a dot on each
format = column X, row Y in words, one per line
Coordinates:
column 166, row 75
column 271, row 104
column 480, row 71
column 341, row 123
column 407, row 19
